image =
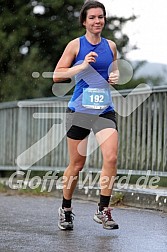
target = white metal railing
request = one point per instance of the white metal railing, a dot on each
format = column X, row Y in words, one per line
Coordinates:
column 142, row 134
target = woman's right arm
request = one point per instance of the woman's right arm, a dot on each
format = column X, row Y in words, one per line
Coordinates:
column 63, row 70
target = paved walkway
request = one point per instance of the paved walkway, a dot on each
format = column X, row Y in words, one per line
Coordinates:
column 30, row 224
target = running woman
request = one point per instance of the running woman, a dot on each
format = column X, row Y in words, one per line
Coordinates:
column 90, row 58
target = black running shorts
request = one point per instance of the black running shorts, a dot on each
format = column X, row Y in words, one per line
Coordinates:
column 79, row 125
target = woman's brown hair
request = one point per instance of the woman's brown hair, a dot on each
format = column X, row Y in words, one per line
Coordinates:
column 89, row 5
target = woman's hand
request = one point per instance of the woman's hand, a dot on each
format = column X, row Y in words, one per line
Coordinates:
column 90, row 58
column 114, row 77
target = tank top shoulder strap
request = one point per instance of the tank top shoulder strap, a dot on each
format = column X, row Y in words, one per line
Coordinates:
column 106, row 44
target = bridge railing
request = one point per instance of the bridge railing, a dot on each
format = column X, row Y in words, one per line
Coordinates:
column 32, row 134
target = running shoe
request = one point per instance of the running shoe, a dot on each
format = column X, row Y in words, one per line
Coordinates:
column 66, row 218
column 104, row 217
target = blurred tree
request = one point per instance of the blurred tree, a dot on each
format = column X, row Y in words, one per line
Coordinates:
column 33, row 36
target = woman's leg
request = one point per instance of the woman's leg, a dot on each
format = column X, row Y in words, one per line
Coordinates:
column 77, row 156
column 108, row 141
column 76, row 164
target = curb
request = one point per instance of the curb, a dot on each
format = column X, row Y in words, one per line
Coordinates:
column 144, row 199
column 154, row 199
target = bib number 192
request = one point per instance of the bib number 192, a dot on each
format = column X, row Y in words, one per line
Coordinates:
column 97, row 98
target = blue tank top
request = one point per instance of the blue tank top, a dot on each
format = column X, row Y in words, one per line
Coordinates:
column 95, row 76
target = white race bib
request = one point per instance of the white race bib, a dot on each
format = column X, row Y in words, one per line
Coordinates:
column 95, row 98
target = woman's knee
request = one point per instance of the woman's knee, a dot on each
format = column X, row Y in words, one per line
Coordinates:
column 110, row 159
column 77, row 166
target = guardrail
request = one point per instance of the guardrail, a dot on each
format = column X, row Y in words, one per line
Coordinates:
column 35, row 130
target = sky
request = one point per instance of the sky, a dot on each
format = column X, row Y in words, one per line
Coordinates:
column 147, row 32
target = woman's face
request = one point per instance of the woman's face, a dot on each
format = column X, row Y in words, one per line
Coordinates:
column 95, row 20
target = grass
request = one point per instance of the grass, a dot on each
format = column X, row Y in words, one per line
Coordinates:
column 28, row 191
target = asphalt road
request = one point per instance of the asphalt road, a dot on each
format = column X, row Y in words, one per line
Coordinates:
column 30, row 224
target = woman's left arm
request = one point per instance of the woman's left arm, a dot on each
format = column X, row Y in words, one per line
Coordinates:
column 114, row 75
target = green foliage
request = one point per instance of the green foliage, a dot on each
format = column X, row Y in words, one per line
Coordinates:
column 117, row 198
column 3, row 188
column 33, row 36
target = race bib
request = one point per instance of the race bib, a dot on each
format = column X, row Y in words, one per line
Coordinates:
column 95, row 98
